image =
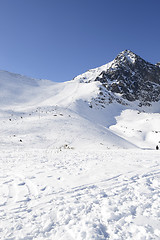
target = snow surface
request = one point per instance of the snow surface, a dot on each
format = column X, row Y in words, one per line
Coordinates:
column 139, row 127
column 92, row 74
column 69, row 172
column 48, row 194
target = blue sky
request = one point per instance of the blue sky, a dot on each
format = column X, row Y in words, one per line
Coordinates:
column 59, row 39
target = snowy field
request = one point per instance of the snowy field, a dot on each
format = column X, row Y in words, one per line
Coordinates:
column 53, row 194
column 71, row 172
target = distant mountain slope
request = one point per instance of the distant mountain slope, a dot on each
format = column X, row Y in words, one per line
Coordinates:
column 18, row 89
column 126, row 79
column 86, row 112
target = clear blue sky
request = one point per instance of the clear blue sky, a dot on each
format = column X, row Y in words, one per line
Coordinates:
column 59, row 39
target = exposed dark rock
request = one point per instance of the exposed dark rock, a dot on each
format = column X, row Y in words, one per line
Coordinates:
column 133, row 78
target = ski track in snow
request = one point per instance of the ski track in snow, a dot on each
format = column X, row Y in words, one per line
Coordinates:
column 53, row 194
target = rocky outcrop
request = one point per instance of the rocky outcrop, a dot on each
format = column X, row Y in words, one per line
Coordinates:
column 132, row 78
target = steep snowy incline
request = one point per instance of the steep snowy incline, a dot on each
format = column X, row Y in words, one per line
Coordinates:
column 38, row 113
column 81, row 112
column 92, row 74
column 17, row 90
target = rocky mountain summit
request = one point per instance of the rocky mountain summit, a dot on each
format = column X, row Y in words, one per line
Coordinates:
column 126, row 79
column 133, row 78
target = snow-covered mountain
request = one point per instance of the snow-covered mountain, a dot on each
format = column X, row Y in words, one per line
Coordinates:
column 94, row 99
column 78, row 158
column 127, row 78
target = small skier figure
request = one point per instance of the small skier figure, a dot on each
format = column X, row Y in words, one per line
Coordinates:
column 157, row 147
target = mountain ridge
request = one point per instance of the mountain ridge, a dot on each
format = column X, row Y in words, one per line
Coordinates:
column 83, row 113
column 127, row 78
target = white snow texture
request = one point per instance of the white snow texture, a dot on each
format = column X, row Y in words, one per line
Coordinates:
column 71, row 172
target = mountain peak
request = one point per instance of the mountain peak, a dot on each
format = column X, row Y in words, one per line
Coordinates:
column 127, row 51
column 127, row 55
column 132, row 78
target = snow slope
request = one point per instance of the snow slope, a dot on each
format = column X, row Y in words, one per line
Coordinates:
column 72, row 172
column 47, row 113
column 63, row 109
